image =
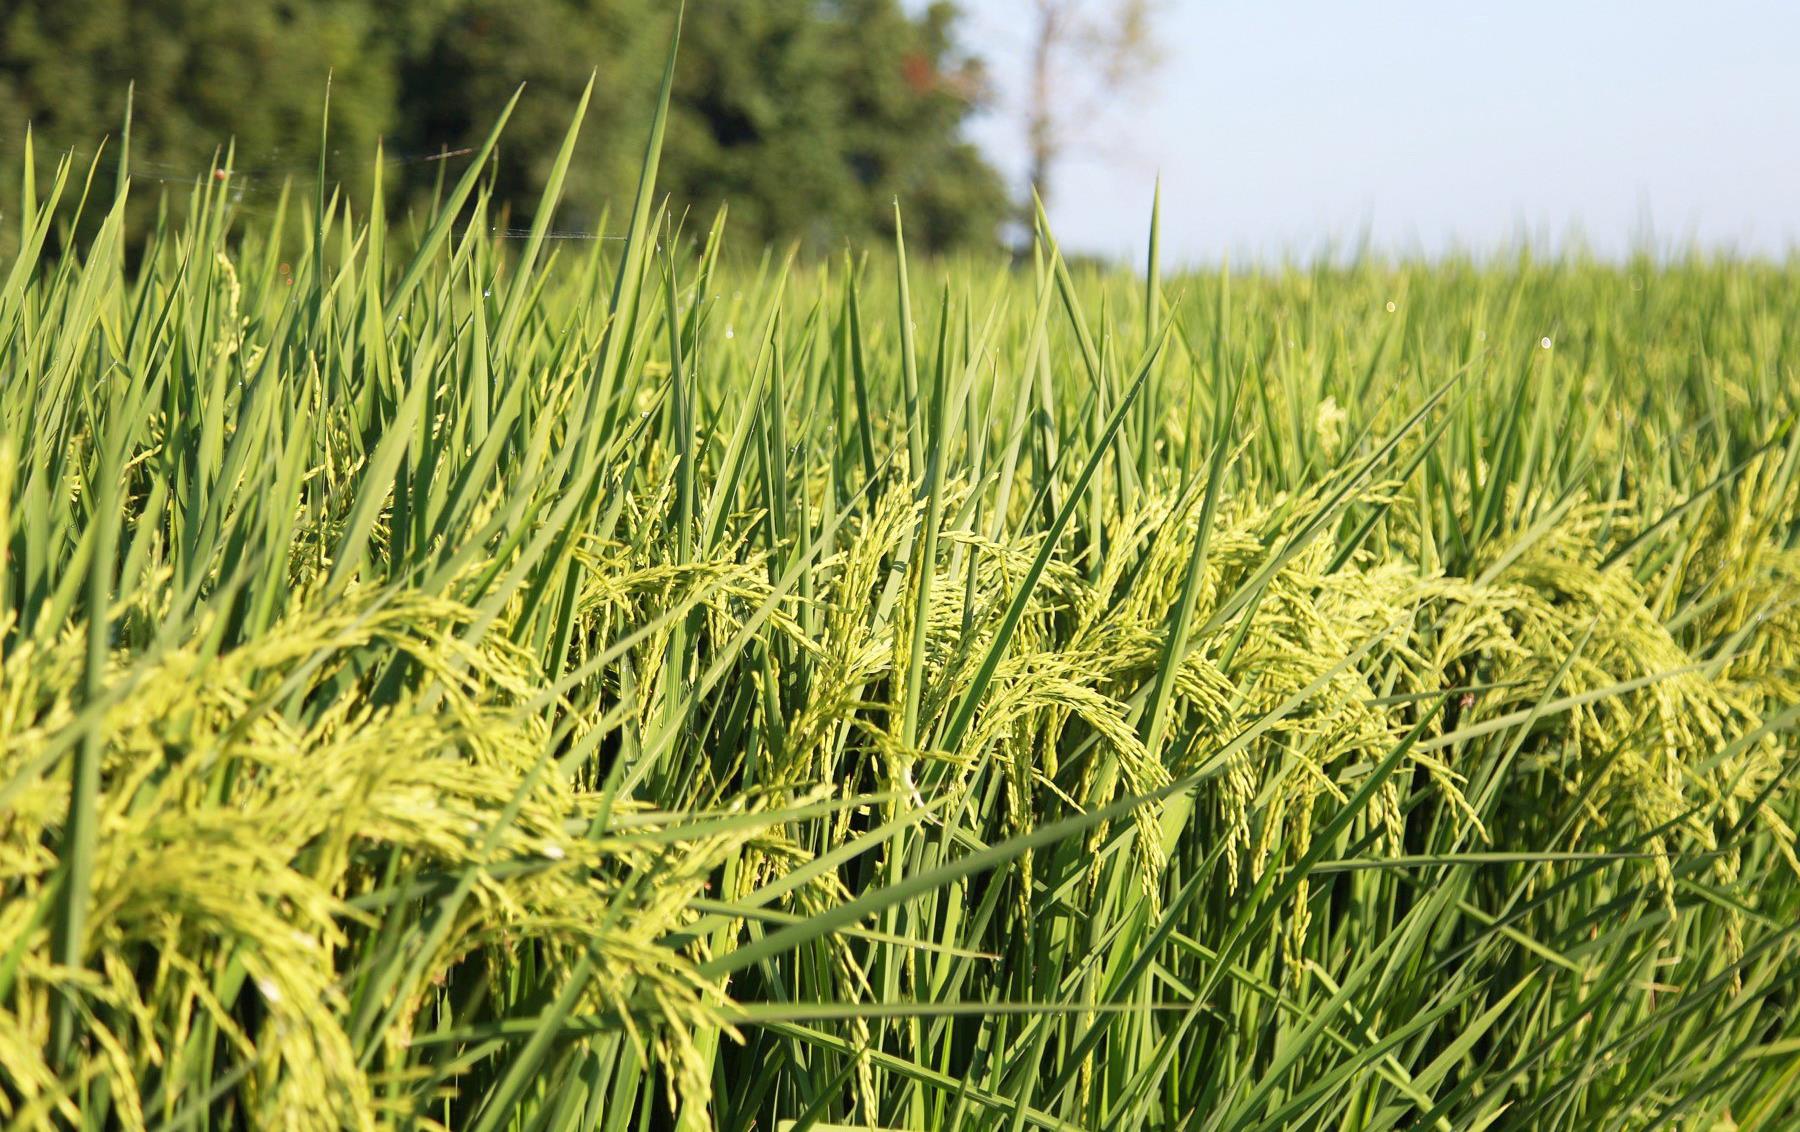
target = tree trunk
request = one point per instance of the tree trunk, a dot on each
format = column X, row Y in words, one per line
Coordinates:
column 1040, row 129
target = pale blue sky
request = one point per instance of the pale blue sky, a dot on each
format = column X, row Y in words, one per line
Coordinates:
column 1283, row 126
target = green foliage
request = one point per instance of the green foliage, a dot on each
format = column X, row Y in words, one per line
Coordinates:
column 810, row 117
column 450, row 683
column 206, row 73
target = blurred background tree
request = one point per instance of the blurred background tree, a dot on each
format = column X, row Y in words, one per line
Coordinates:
column 1085, row 54
column 809, row 116
column 206, row 71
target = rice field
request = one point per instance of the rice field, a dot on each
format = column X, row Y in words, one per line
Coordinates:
column 452, row 682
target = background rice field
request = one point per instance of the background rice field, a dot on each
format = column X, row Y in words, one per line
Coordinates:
column 645, row 684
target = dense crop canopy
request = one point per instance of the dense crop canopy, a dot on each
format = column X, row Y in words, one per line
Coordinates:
column 519, row 684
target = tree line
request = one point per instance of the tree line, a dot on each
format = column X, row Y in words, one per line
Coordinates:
column 810, row 116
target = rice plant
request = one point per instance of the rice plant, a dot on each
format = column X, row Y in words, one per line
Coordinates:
column 452, row 682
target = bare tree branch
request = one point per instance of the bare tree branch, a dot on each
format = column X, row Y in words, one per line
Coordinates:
column 1084, row 55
